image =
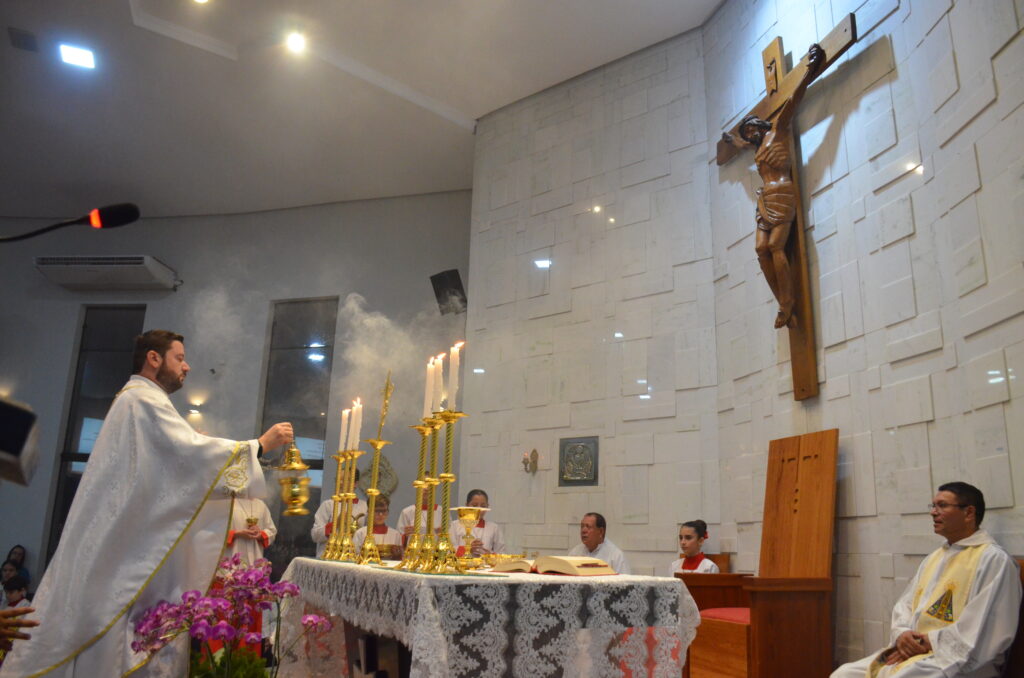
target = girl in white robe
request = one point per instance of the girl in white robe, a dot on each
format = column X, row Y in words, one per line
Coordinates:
column 691, row 539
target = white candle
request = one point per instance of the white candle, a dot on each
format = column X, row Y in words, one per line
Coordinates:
column 343, row 438
column 453, row 377
column 357, row 424
column 428, row 395
column 438, row 382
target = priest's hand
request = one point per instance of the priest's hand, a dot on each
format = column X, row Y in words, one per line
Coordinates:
column 909, row 644
column 477, row 547
column 276, row 436
column 11, row 620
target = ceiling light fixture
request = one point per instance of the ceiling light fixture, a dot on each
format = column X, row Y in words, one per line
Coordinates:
column 542, row 263
column 77, row 56
column 296, row 42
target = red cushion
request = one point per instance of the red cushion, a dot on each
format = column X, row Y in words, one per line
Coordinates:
column 736, row 615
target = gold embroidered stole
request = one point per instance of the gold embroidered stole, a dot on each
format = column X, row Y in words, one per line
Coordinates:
column 947, row 598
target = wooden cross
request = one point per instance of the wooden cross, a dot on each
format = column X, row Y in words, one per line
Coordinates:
column 783, row 86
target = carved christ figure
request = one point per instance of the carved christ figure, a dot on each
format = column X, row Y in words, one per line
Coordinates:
column 778, row 200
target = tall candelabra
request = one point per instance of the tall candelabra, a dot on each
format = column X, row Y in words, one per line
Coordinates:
column 444, row 555
column 412, row 547
column 339, row 545
column 427, row 541
column 370, row 553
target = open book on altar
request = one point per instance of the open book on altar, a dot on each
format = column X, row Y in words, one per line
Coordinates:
column 572, row 565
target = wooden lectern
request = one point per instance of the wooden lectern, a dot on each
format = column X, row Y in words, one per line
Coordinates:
column 778, row 623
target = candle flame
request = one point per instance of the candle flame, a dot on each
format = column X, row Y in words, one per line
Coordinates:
column 348, row 411
column 440, row 356
column 358, row 401
column 459, row 345
column 430, row 362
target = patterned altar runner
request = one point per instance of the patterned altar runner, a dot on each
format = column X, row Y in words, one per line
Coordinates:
column 519, row 625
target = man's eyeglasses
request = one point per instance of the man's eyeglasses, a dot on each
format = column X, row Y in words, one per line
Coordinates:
column 942, row 506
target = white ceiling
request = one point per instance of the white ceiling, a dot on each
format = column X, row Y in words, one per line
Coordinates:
column 199, row 109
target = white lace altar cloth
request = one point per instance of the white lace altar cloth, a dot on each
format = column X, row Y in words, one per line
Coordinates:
column 519, row 625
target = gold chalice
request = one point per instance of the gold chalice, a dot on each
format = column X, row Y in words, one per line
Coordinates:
column 252, row 521
column 469, row 516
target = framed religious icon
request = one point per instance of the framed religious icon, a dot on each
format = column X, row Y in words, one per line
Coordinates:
column 577, row 461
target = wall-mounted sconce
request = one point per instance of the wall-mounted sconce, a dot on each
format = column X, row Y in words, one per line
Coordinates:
column 530, row 461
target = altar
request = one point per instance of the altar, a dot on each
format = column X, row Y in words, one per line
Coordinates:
column 526, row 625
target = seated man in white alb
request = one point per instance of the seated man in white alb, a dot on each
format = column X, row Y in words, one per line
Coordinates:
column 407, row 519
column 487, row 534
column 322, row 525
column 593, row 544
column 958, row 615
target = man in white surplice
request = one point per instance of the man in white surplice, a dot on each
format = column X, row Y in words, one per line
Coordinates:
column 958, row 615
column 148, row 522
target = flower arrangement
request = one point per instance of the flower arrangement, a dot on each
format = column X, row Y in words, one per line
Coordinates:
column 225, row 623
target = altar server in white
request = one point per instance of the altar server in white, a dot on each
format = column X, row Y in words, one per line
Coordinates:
column 487, row 535
column 141, row 528
column 388, row 539
column 691, row 539
column 594, row 545
column 252, row 529
column 958, row 615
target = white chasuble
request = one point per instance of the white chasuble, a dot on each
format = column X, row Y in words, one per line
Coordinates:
column 148, row 522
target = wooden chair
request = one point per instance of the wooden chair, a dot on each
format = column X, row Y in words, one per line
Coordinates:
column 723, row 560
column 1015, row 657
column 778, row 623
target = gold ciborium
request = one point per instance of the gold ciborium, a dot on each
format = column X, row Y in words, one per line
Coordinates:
column 252, row 522
column 469, row 516
column 295, row 483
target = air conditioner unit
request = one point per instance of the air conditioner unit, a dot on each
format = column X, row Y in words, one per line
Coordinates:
column 128, row 272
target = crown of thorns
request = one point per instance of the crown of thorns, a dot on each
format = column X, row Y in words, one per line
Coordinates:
column 752, row 121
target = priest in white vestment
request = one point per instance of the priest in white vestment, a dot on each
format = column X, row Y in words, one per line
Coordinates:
column 594, row 545
column 142, row 527
column 958, row 615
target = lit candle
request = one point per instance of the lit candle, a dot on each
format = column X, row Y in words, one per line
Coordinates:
column 343, row 438
column 428, row 395
column 438, row 382
column 453, row 377
column 357, row 424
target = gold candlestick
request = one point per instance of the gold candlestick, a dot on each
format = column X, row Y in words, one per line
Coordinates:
column 333, row 548
column 412, row 548
column 427, row 541
column 339, row 545
column 370, row 553
column 444, row 555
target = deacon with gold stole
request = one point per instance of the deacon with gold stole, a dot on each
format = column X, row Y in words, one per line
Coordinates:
column 145, row 526
column 958, row 615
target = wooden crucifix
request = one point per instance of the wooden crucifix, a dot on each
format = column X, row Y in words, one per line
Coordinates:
column 779, row 216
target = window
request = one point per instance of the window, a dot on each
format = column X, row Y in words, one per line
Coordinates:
column 297, row 390
column 104, row 365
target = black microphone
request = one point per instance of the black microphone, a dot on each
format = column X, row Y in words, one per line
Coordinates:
column 110, row 216
column 113, row 216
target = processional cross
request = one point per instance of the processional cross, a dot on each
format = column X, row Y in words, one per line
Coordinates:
column 779, row 217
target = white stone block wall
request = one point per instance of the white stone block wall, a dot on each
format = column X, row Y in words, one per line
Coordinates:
column 913, row 178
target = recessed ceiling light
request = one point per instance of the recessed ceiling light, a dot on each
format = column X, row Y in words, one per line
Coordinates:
column 77, row 56
column 542, row 263
column 478, row 370
column 597, row 209
column 315, row 357
column 201, row 2
column 611, row 220
column 296, row 42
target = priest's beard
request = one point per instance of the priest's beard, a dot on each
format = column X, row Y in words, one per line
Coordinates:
column 168, row 380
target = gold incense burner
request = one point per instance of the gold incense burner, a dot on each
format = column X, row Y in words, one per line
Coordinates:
column 295, row 483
